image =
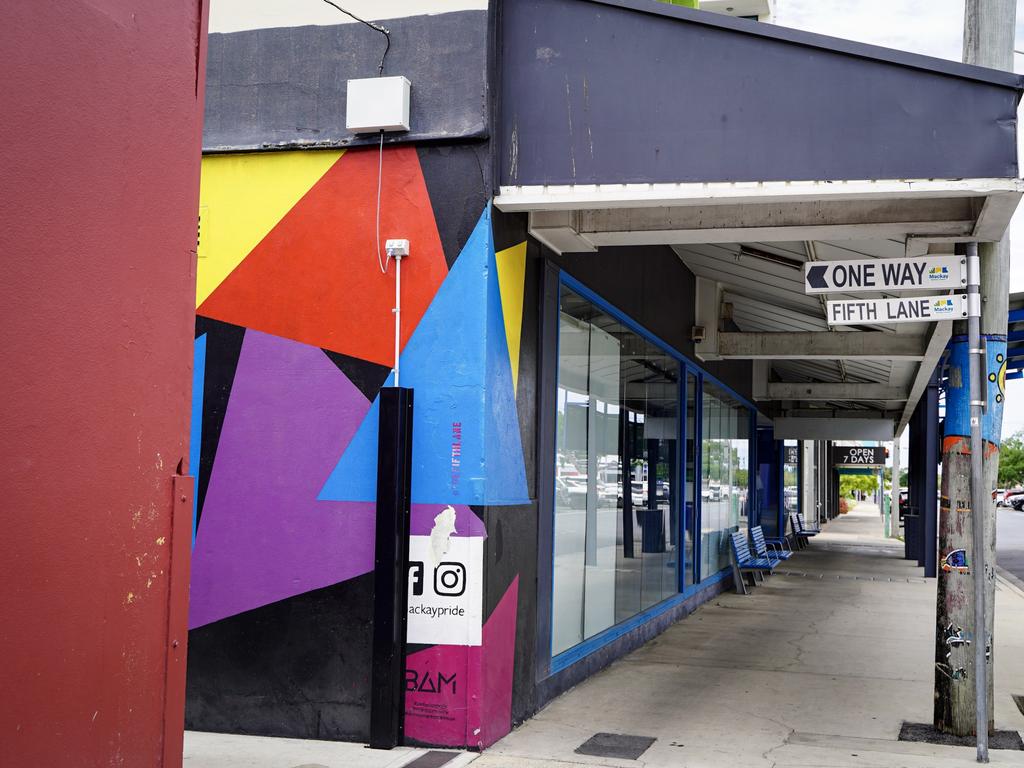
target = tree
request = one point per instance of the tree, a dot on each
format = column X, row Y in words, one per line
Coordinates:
column 1011, row 461
column 864, row 483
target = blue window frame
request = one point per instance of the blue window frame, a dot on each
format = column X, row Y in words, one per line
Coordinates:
column 658, row 446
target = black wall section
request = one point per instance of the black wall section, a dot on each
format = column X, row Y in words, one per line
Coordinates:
column 612, row 91
column 547, row 310
column 223, row 346
column 286, row 87
column 511, row 551
column 366, row 376
column 298, row 667
column 511, row 546
column 458, row 178
column 652, row 286
column 509, row 229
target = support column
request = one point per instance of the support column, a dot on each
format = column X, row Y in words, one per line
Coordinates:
column 893, row 530
column 808, row 480
column 923, row 480
column 929, row 505
column 822, row 463
column 912, row 520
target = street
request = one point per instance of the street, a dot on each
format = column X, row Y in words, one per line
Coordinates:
column 1010, row 541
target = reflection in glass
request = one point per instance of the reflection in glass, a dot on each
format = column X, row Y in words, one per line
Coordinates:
column 725, row 444
column 790, row 476
column 690, row 508
column 616, row 500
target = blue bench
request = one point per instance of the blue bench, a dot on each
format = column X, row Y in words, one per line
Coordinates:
column 772, row 550
column 801, row 533
column 803, row 524
column 745, row 562
column 780, row 542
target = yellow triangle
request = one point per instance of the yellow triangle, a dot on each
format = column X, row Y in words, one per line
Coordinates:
column 511, row 280
column 241, row 198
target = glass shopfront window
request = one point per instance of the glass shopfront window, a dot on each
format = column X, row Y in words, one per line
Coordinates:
column 690, row 500
column 617, row 499
column 725, row 445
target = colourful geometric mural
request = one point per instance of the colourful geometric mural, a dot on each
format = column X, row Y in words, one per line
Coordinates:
column 321, row 259
column 294, row 341
column 462, row 696
column 466, row 445
column 511, row 278
column 264, row 535
column 196, row 427
column 243, row 197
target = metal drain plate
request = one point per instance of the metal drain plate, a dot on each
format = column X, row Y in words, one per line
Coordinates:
column 432, row 759
column 619, row 745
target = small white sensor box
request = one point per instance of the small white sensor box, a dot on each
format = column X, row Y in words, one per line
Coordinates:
column 378, row 104
column 397, row 249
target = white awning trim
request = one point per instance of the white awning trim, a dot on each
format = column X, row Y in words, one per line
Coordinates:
column 604, row 196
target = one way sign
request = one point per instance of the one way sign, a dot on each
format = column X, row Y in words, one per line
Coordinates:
column 885, row 274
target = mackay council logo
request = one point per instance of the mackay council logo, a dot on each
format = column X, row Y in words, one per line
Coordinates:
column 938, row 274
column 944, row 306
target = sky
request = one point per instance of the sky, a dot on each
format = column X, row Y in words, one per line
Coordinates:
column 933, row 28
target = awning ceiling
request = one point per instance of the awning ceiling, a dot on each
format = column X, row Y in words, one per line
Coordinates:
column 765, row 296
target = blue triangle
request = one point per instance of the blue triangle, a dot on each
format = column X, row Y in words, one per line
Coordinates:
column 196, row 429
column 466, row 443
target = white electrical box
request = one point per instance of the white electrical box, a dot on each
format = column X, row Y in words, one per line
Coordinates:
column 378, row 104
column 397, row 249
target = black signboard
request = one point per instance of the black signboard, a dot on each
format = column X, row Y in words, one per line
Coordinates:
column 792, row 454
column 857, row 456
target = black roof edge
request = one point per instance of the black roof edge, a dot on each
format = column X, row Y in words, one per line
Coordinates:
column 814, row 40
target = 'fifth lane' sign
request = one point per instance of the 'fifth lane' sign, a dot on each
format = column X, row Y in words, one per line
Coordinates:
column 949, row 272
column 920, row 309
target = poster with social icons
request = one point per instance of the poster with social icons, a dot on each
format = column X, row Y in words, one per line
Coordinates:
column 445, row 590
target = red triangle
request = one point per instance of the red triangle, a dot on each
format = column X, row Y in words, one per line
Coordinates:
column 315, row 279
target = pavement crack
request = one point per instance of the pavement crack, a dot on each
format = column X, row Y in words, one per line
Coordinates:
column 766, row 754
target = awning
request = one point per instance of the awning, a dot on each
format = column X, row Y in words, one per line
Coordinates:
column 633, row 91
column 752, row 149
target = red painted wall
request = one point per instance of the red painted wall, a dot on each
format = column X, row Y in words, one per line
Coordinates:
column 99, row 151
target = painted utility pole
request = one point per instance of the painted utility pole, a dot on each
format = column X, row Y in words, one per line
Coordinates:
column 966, row 577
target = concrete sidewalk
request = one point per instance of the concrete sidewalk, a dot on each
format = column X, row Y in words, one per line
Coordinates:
column 221, row 750
column 818, row 667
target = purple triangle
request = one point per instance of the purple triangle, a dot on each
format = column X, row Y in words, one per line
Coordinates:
column 263, row 534
column 423, row 516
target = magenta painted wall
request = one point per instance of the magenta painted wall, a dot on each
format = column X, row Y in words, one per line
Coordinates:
column 101, row 137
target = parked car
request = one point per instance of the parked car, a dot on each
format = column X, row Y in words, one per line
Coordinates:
column 999, row 497
column 1014, row 498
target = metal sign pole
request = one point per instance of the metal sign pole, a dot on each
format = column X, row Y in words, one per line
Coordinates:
column 978, row 500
